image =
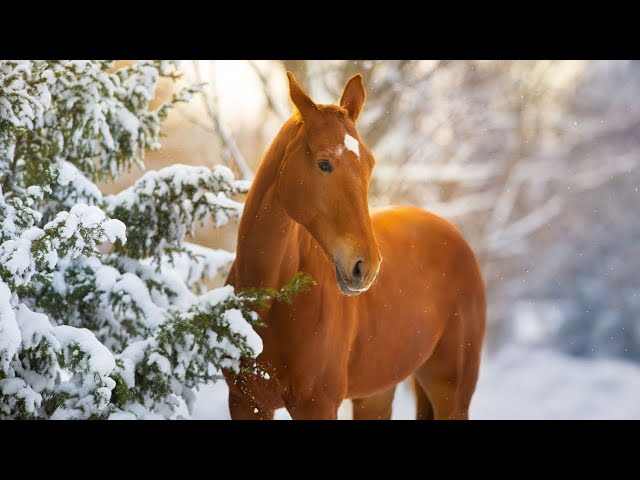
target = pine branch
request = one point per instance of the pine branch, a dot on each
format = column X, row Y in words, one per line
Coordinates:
column 12, row 169
column 130, row 335
column 162, row 207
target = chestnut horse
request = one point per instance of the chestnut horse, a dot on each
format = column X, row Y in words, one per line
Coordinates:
column 398, row 293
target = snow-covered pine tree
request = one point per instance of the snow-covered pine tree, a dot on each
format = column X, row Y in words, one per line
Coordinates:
column 131, row 332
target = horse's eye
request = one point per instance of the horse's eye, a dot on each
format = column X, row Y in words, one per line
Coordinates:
column 325, row 165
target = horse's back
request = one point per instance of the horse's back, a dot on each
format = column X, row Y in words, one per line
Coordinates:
column 406, row 233
column 409, row 219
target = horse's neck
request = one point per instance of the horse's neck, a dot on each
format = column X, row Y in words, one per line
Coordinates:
column 269, row 241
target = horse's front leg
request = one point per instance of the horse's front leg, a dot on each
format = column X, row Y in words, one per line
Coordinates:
column 252, row 397
column 243, row 408
column 313, row 406
column 313, row 411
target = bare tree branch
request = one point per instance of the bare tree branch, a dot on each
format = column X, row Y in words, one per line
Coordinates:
column 274, row 105
column 196, row 121
column 524, row 226
column 223, row 132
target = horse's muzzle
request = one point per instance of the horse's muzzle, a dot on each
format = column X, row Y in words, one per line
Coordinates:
column 346, row 287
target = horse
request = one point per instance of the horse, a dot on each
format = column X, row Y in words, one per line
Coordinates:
column 399, row 294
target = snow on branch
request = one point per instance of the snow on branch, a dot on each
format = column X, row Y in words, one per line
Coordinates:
column 37, row 250
column 162, row 207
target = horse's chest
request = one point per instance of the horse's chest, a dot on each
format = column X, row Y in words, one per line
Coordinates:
column 307, row 339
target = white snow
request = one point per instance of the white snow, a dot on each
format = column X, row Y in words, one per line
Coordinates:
column 516, row 383
column 66, row 172
column 537, row 383
column 136, row 411
column 79, row 65
column 202, row 262
column 89, row 216
column 11, row 386
column 130, row 286
column 34, row 327
column 16, row 255
column 122, row 416
column 352, row 144
column 224, row 173
column 51, row 257
column 9, row 332
column 129, row 122
column 16, row 386
column 242, row 185
column 81, row 188
column 35, row 191
column 8, row 224
column 237, row 324
column 101, row 360
column 535, row 322
column 163, row 362
column 44, row 95
column 130, row 357
column 70, row 224
column 104, row 396
column 106, row 277
column 213, row 297
column 49, row 76
column 136, row 350
column 114, row 229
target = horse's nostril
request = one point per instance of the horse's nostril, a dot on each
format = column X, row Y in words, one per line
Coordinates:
column 357, row 270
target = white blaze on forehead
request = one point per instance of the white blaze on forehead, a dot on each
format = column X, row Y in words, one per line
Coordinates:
column 352, row 144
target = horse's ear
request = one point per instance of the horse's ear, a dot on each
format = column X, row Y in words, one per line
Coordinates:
column 353, row 97
column 301, row 101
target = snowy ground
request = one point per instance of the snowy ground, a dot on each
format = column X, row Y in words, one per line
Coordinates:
column 517, row 383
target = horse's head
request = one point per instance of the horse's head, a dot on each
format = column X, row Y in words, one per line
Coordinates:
column 324, row 183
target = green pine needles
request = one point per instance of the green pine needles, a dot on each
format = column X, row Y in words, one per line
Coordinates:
column 132, row 332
